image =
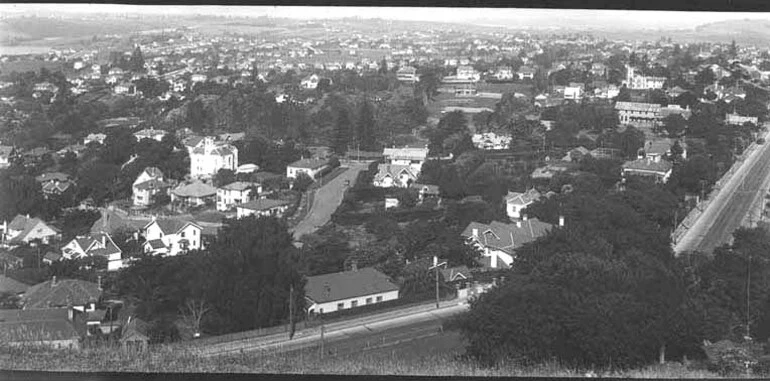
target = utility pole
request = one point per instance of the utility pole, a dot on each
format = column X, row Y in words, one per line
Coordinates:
column 436, row 266
column 291, row 311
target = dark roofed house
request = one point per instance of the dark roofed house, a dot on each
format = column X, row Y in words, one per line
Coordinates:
column 24, row 230
column 59, row 328
column 79, row 294
column 135, row 334
column 499, row 241
column 349, row 289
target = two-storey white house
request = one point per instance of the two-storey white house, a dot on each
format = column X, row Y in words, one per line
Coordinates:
column 95, row 244
column 148, row 184
column 515, row 202
column 236, row 193
column 209, row 156
column 412, row 157
column 349, row 289
column 171, row 236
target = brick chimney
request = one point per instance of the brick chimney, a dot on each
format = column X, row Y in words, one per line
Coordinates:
column 561, row 221
column 524, row 217
column 475, row 233
column 518, row 223
column 494, row 260
column 53, row 281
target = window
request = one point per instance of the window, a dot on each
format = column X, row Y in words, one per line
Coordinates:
column 340, row 306
column 321, row 310
column 368, row 300
column 182, row 234
column 354, row 304
column 379, row 299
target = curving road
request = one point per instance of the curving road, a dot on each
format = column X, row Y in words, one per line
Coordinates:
column 729, row 208
column 326, row 200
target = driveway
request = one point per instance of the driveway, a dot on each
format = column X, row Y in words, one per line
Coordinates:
column 326, row 200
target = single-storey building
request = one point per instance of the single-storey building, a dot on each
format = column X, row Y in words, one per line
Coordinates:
column 348, row 289
column 311, row 167
column 262, row 207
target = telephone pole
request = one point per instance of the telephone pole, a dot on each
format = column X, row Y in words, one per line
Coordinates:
column 291, row 311
column 436, row 266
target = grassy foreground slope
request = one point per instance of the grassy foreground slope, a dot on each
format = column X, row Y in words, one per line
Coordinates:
column 163, row 359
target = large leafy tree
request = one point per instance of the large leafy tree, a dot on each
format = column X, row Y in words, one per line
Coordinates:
column 604, row 290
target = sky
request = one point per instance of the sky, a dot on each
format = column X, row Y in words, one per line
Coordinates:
column 497, row 16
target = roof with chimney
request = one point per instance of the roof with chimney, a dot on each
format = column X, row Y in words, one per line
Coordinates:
column 113, row 220
column 26, row 225
column 135, row 329
column 151, row 184
column 506, row 237
column 171, row 225
column 347, row 284
column 61, row 293
column 38, row 325
column 456, row 273
column 99, row 243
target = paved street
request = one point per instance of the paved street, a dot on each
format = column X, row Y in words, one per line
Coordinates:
column 390, row 327
column 326, row 200
column 726, row 212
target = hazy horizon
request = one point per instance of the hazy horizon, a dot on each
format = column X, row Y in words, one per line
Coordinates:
column 478, row 16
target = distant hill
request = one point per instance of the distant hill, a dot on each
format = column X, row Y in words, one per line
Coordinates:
column 21, row 30
column 743, row 31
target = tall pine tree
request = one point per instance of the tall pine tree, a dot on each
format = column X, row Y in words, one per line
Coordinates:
column 365, row 127
column 342, row 127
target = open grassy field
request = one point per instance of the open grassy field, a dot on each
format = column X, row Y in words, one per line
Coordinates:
column 28, row 65
column 397, row 361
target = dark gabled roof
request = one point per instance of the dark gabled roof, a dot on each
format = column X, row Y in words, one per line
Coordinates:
column 135, row 329
column 263, row 204
column 152, row 184
column 36, row 325
column 66, row 292
column 11, row 286
column 348, row 284
column 507, row 237
column 171, row 225
column 27, row 225
column 156, row 244
column 309, row 163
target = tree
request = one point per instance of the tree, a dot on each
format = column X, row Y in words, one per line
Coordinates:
column 136, row 63
column 302, row 182
column 554, row 302
column 193, row 311
column 674, row 125
column 624, row 95
column 407, row 198
column 223, row 177
column 365, row 127
column 342, row 130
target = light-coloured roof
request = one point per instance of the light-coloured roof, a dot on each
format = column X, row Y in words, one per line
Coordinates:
column 637, row 106
column 238, row 186
column 661, row 166
column 263, row 204
column 196, row 189
column 406, row 153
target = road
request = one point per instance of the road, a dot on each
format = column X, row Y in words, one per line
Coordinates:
column 729, row 208
column 389, row 328
column 326, row 200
